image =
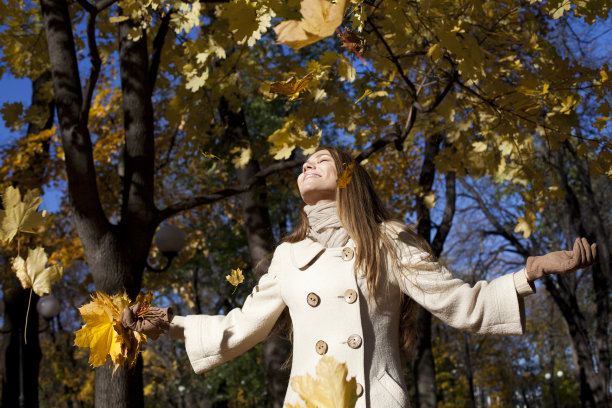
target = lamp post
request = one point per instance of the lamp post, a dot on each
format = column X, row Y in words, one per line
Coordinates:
column 48, row 307
column 170, row 239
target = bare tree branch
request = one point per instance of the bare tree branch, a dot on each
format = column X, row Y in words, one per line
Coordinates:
column 499, row 229
column 226, row 192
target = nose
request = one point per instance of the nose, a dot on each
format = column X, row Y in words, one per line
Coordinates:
column 307, row 166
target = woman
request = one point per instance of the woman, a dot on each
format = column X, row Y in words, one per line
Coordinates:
column 349, row 276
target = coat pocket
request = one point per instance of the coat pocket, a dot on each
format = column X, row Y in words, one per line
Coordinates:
column 394, row 390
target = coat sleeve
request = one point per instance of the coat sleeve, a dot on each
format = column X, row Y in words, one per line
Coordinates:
column 494, row 307
column 212, row 340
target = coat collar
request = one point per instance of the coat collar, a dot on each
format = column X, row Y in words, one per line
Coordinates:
column 304, row 253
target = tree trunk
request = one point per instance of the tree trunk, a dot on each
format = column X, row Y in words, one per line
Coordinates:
column 423, row 366
column 261, row 245
column 116, row 254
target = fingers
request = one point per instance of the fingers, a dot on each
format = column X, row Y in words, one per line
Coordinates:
column 583, row 253
column 588, row 256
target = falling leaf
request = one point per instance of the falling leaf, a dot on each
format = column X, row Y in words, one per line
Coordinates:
column 366, row 93
column 347, row 174
column 524, row 226
column 209, row 155
column 20, row 216
column 119, row 19
column 243, row 158
column 320, row 18
column 353, row 42
column 430, row 200
column 236, row 278
column 32, row 272
column 330, row 389
column 103, row 333
column 568, row 104
column 291, row 87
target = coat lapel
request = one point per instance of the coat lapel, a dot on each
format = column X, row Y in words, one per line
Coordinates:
column 305, row 253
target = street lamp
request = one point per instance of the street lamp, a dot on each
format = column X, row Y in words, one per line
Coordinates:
column 170, row 239
column 48, row 307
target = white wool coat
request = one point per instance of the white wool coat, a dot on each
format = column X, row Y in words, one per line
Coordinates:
column 315, row 283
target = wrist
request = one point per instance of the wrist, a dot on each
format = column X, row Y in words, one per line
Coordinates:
column 531, row 270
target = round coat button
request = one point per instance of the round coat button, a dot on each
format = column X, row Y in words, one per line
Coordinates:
column 354, row 341
column 350, row 296
column 347, row 253
column 359, row 390
column 321, row 347
column 313, row 299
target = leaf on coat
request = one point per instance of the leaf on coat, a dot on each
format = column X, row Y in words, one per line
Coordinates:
column 32, row 272
column 103, row 333
column 18, row 215
column 320, row 18
column 291, row 87
column 330, row 389
column 347, row 174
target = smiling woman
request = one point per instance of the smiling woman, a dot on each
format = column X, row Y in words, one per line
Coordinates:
column 350, row 277
column 317, row 182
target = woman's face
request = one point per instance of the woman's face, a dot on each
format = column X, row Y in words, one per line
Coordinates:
column 318, row 180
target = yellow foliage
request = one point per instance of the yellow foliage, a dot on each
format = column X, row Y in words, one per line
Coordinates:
column 32, row 272
column 103, row 333
column 330, row 389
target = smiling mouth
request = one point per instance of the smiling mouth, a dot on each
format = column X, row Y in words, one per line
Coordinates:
column 310, row 175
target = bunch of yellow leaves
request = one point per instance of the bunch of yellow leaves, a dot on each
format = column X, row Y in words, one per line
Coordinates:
column 103, row 333
column 331, row 389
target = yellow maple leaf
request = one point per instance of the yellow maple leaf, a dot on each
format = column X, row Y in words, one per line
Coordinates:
column 33, row 274
column 330, row 389
column 18, row 215
column 347, row 174
column 291, row 87
column 236, row 278
column 103, row 333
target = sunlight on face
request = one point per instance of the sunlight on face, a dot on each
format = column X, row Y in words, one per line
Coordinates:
column 318, row 180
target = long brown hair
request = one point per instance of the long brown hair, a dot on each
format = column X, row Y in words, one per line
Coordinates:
column 366, row 220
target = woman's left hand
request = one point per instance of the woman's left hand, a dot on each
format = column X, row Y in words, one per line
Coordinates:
column 558, row 262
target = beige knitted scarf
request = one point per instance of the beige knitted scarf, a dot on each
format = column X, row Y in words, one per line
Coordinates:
column 325, row 226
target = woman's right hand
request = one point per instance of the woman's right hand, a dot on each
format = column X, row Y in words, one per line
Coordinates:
column 151, row 322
